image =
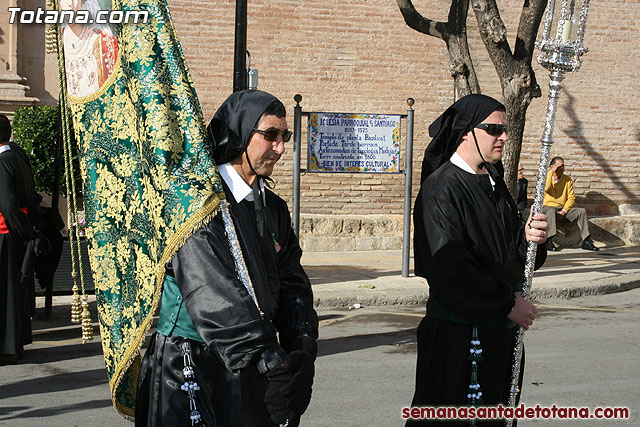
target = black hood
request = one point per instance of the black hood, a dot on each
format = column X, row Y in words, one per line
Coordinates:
column 232, row 125
column 448, row 129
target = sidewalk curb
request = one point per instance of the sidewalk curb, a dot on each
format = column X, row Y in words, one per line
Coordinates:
column 416, row 296
column 606, row 286
column 413, row 295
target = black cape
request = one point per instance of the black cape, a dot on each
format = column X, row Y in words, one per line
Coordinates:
column 470, row 246
column 238, row 345
column 16, row 192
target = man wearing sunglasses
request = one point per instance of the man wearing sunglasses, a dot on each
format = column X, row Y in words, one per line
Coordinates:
column 470, row 245
column 248, row 343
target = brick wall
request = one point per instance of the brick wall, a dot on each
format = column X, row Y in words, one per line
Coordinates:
column 360, row 56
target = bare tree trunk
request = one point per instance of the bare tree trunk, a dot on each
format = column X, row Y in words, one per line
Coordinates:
column 461, row 68
column 518, row 81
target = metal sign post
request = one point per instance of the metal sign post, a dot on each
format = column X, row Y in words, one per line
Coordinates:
column 408, row 172
column 408, row 175
column 297, row 128
column 240, row 47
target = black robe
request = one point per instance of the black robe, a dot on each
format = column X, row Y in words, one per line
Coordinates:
column 16, row 193
column 523, row 202
column 238, row 345
column 470, row 246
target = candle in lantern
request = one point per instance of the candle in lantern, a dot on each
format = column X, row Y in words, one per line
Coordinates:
column 566, row 30
column 568, row 24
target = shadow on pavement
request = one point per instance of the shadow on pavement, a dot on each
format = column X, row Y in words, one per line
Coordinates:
column 329, row 317
column 6, row 410
column 578, row 267
column 345, row 273
column 56, row 410
column 42, row 333
column 340, row 345
column 58, row 353
column 607, row 260
column 54, row 383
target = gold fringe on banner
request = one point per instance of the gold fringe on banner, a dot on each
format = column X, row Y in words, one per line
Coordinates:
column 50, row 37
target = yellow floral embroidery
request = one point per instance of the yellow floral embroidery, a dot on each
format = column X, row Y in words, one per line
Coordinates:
column 149, row 183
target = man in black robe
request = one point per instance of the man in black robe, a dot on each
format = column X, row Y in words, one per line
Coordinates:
column 470, row 246
column 214, row 330
column 522, row 186
column 17, row 204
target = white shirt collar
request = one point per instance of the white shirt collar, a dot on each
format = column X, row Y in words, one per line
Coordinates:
column 459, row 162
column 5, row 148
column 239, row 188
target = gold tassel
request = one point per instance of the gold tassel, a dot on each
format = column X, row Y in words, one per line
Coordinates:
column 76, row 308
column 50, row 32
column 87, row 324
column 50, row 39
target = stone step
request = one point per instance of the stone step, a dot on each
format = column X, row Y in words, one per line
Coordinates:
column 616, row 230
column 321, row 233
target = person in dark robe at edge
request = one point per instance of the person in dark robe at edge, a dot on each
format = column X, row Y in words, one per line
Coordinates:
column 17, row 209
column 215, row 359
column 471, row 247
column 522, row 186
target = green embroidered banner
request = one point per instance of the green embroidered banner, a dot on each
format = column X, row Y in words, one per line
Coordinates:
column 149, row 181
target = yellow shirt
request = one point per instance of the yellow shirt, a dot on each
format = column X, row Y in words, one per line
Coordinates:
column 559, row 194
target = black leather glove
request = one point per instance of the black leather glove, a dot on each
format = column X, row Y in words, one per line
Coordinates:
column 289, row 390
column 308, row 344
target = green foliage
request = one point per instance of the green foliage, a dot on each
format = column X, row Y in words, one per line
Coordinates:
column 35, row 129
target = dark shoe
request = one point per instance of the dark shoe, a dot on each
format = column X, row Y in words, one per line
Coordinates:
column 588, row 245
column 551, row 246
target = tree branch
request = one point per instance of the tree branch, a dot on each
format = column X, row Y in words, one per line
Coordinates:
column 461, row 65
column 418, row 22
column 494, row 36
column 457, row 20
column 530, row 18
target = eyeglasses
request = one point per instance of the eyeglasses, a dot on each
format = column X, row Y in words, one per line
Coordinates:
column 272, row 134
column 493, row 129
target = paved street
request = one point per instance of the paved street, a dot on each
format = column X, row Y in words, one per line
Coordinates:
column 582, row 352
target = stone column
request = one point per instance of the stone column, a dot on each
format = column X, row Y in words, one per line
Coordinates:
column 13, row 88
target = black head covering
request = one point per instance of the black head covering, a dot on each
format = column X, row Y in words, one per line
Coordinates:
column 230, row 130
column 448, row 129
column 231, row 127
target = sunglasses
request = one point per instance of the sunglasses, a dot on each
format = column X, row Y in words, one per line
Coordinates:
column 272, row 134
column 493, row 129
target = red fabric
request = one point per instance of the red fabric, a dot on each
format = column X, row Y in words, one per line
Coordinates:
column 109, row 46
column 3, row 225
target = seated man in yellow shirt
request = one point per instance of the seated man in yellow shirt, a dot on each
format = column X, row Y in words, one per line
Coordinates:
column 559, row 201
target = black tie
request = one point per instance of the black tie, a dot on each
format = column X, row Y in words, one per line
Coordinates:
column 257, row 202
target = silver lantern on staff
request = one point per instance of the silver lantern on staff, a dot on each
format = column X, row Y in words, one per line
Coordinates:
column 561, row 51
